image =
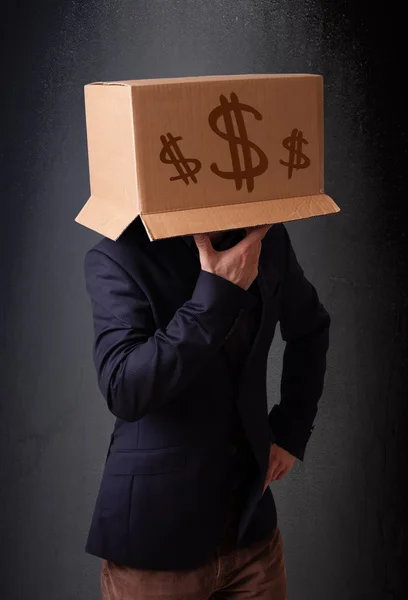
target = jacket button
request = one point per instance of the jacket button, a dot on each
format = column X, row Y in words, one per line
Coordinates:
column 232, row 450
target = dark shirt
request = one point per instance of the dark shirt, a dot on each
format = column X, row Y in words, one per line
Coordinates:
column 238, row 346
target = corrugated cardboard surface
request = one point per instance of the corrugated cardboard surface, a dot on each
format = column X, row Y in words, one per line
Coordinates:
column 205, row 153
column 183, row 111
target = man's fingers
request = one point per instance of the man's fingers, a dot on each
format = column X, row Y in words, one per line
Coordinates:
column 271, row 476
column 281, row 474
column 274, row 470
column 254, row 235
column 257, row 232
column 203, row 243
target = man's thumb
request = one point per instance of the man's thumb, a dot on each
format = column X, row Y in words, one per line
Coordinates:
column 203, row 243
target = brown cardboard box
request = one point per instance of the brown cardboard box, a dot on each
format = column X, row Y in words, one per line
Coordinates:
column 202, row 154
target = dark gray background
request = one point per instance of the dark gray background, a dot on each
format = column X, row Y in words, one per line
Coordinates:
column 343, row 512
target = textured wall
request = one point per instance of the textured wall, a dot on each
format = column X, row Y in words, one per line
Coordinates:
column 342, row 511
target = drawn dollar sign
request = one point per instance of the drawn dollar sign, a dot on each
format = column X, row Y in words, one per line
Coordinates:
column 248, row 171
column 297, row 160
column 171, row 154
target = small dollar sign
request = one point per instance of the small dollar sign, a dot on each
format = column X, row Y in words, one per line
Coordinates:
column 171, row 154
column 248, row 171
column 297, row 160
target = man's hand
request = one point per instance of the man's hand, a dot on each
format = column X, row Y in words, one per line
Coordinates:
column 239, row 264
column 280, row 463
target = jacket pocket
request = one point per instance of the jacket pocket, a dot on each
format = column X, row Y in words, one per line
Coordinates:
column 146, row 462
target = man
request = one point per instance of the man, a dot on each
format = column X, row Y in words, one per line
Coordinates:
column 183, row 327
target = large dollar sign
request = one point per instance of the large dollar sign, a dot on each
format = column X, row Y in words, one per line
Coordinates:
column 239, row 172
column 171, row 154
column 297, row 160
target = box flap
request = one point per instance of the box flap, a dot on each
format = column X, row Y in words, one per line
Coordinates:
column 235, row 216
column 110, row 220
column 114, row 200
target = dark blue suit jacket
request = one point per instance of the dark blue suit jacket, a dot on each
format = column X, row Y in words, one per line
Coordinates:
column 160, row 325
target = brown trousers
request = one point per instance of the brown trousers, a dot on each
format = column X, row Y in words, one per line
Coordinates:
column 256, row 572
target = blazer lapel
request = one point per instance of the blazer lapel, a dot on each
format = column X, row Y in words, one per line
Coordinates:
column 269, row 282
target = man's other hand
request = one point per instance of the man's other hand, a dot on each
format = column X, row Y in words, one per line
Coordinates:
column 280, row 463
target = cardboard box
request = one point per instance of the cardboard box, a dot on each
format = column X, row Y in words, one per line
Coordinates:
column 202, row 154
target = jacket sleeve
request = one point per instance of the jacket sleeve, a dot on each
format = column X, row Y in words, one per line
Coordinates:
column 304, row 325
column 140, row 367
